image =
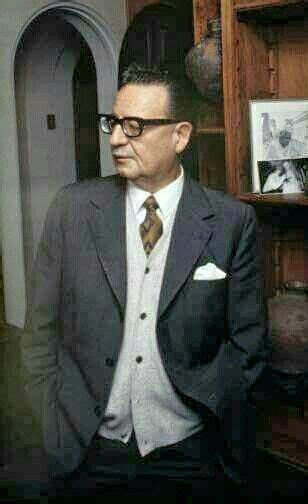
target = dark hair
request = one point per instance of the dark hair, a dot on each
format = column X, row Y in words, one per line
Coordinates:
column 285, row 134
column 181, row 92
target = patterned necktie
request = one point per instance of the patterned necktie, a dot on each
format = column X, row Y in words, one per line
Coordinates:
column 151, row 228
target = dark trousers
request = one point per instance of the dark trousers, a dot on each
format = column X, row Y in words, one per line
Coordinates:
column 180, row 471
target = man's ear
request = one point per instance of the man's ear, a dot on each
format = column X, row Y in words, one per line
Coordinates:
column 182, row 133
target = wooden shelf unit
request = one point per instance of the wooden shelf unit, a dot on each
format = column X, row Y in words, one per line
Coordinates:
column 271, row 14
column 264, row 55
column 265, row 50
column 275, row 200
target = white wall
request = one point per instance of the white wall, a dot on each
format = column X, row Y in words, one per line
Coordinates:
column 15, row 16
column 44, row 74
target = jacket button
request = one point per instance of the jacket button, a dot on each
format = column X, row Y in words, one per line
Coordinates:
column 98, row 411
column 109, row 362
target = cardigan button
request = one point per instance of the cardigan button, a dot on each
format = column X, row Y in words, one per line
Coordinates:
column 109, row 362
column 98, row 410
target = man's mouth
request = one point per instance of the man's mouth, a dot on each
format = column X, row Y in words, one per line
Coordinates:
column 119, row 156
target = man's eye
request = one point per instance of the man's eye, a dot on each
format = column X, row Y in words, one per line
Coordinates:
column 132, row 125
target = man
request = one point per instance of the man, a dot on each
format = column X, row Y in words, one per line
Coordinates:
column 146, row 321
column 284, row 178
column 284, row 146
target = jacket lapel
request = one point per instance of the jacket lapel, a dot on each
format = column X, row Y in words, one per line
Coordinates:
column 108, row 229
column 191, row 232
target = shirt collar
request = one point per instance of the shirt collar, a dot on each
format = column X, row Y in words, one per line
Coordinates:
column 167, row 197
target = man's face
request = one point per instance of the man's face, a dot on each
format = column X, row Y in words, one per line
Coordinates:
column 284, row 138
column 149, row 160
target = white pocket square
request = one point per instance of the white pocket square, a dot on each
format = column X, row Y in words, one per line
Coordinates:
column 209, row 272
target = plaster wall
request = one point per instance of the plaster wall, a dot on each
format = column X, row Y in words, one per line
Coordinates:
column 44, row 74
column 15, row 15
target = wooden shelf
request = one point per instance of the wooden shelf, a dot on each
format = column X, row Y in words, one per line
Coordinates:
column 283, row 432
column 286, row 450
column 264, row 55
column 275, row 199
column 273, row 13
column 211, row 131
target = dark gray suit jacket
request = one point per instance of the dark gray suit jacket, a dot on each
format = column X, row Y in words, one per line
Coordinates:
column 211, row 334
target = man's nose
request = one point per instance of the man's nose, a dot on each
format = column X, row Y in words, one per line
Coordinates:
column 117, row 136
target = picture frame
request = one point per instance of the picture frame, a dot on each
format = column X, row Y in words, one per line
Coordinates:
column 279, row 145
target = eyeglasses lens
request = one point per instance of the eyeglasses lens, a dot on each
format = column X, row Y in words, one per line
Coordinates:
column 131, row 127
column 106, row 124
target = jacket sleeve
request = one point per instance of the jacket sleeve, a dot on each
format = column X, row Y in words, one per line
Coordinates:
column 247, row 349
column 59, row 398
column 247, row 314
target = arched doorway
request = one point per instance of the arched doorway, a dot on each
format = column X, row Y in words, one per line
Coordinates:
column 46, row 56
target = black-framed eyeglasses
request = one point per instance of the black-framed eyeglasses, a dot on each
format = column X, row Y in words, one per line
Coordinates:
column 132, row 127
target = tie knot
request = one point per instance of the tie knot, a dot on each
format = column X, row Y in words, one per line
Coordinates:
column 150, row 203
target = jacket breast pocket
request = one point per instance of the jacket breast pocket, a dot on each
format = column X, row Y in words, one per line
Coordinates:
column 206, row 300
column 201, row 318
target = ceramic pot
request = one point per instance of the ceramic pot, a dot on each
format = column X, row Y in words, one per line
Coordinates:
column 288, row 325
column 203, row 63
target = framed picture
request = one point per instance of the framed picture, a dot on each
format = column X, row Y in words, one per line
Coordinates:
column 279, row 145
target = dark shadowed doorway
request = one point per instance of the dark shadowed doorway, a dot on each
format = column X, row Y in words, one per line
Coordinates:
column 85, row 114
